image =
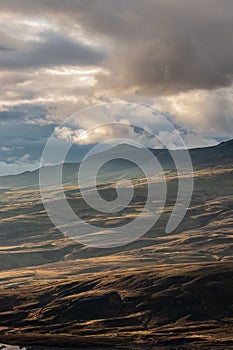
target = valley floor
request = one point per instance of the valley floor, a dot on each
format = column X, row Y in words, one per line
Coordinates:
column 161, row 292
column 168, row 307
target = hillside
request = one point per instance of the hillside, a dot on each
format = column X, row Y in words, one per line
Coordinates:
column 172, row 291
column 28, row 237
column 185, row 307
column 202, row 158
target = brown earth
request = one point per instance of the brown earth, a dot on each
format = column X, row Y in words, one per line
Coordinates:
column 173, row 306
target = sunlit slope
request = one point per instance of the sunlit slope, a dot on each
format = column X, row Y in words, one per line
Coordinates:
column 28, row 238
column 175, row 307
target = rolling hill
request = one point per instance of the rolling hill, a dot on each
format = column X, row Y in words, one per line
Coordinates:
column 209, row 157
column 185, row 307
column 171, row 291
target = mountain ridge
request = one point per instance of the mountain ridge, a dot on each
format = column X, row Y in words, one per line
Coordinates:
column 206, row 157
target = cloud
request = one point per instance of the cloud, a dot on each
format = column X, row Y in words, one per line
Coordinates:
column 17, row 166
column 5, row 149
column 157, row 46
column 201, row 118
column 51, row 49
column 151, row 48
column 99, row 134
column 23, row 159
column 18, row 139
column 204, row 112
column 131, row 136
column 57, row 57
column 128, row 122
column 167, row 47
column 22, row 113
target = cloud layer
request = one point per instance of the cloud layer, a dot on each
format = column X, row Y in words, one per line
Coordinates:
column 50, row 49
column 157, row 46
column 57, row 57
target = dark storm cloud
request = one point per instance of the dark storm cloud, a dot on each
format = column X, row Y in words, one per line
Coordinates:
column 53, row 49
column 168, row 46
column 158, row 46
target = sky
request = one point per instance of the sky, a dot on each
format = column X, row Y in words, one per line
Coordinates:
column 60, row 56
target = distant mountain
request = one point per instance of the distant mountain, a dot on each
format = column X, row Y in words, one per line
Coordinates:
column 220, row 155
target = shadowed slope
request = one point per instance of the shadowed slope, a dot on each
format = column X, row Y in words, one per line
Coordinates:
column 161, row 305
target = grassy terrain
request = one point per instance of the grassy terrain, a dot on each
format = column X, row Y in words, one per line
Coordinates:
column 175, row 307
column 28, row 238
column 171, row 291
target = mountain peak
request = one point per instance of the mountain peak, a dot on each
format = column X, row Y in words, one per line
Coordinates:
column 229, row 142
